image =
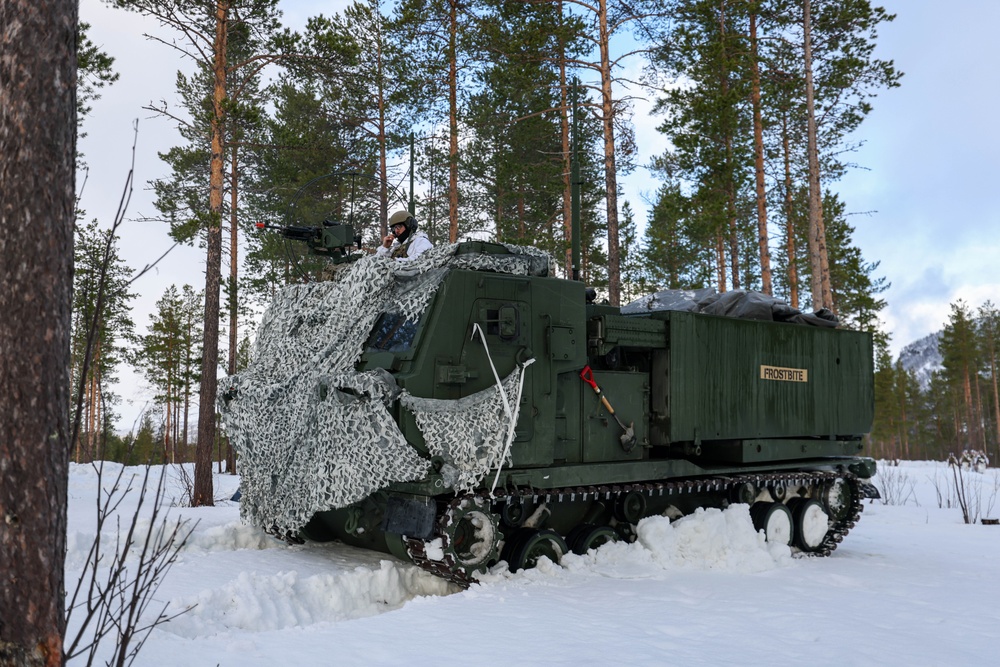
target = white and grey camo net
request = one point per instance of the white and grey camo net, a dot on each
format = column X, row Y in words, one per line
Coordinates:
column 314, row 434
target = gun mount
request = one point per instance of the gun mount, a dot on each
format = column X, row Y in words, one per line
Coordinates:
column 333, row 240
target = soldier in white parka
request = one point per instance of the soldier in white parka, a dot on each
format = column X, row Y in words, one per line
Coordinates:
column 404, row 241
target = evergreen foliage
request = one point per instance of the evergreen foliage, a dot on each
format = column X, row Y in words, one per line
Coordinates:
column 94, row 71
column 93, row 248
column 719, row 67
column 170, row 359
column 959, row 409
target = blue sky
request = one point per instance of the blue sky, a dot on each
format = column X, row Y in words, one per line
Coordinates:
column 925, row 200
column 932, row 153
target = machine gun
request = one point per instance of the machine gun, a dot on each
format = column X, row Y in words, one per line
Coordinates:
column 333, row 240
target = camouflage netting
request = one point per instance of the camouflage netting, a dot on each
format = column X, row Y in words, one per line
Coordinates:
column 469, row 434
column 314, row 434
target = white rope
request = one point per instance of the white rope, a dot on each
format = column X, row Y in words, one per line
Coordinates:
column 513, row 423
column 511, row 413
column 496, row 376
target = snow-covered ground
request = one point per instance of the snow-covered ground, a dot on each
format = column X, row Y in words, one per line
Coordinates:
column 910, row 585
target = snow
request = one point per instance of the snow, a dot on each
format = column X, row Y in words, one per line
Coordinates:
column 910, row 585
column 814, row 524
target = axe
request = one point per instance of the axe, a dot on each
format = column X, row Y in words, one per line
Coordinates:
column 628, row 432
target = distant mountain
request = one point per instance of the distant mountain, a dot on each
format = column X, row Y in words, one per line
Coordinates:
column 922, row 358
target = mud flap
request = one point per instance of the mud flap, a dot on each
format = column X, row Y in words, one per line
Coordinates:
column 412, row 516
column 868, row 490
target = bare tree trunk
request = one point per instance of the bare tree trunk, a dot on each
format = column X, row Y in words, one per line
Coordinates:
column 92, row 402
column 996, row 396
column 720, row 263
column 969, row 409
column 610, row 173
column 453, row 121
column 383, row 168
column 567, row 195
column 904, row 425
column 102, row 440
column 730, row 185
column 186, row 384
column 520, row 216
column 37, row 182
column 790, row 245
column 820, row 274
column 168, row 447
column 980, row 430
column 234, row 239
column 758, row 149
column 203, row 494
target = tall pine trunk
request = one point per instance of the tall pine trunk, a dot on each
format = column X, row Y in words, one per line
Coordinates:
column 818, row 259
column 202, row 493
column 453, row 121
column 790, row 244
column 758, row 150
column 996, row 394
column 730, row 180
column 37, row 182
column 610, row 173
column 567, row 193
column 969, row 409
column 234, row 173
column 980, row 431
column 383, row 167
column 720, row 261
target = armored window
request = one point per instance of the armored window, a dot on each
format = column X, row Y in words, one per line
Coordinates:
column 392, row 333
column 502, row 322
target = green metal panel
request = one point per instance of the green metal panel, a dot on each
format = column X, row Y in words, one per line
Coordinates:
column 568, row 442
column 611, row 331
column 522, row 318
column 763, row 451
column 628, row 394
column 738, row 379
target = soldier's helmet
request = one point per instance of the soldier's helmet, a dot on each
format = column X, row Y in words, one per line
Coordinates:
column 404, row 218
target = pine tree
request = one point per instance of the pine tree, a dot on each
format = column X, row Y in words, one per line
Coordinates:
column 205, row 30
column 440, row 35
column 382, row 87
column 960, row 359
column 760, row 187
column 514, row 157
column 883, row 436
column 670, row 249
column 841, row 75
column 710, row 123
column 94, row 71
column 603, row 21
column 855, row 290
column 169, row 356
column 37, row 159
column 988, row 330
column 634, row 282
column 96, row 249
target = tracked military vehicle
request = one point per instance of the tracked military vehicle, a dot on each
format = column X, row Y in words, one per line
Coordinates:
column 468, row 406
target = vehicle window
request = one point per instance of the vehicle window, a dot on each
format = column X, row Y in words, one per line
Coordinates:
column 392, row 333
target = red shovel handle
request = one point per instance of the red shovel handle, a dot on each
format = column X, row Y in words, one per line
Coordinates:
column 587, row 376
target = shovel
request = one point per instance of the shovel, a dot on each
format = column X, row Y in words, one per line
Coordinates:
column 628, row 432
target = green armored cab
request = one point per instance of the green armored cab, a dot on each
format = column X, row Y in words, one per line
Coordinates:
column 467, row 407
